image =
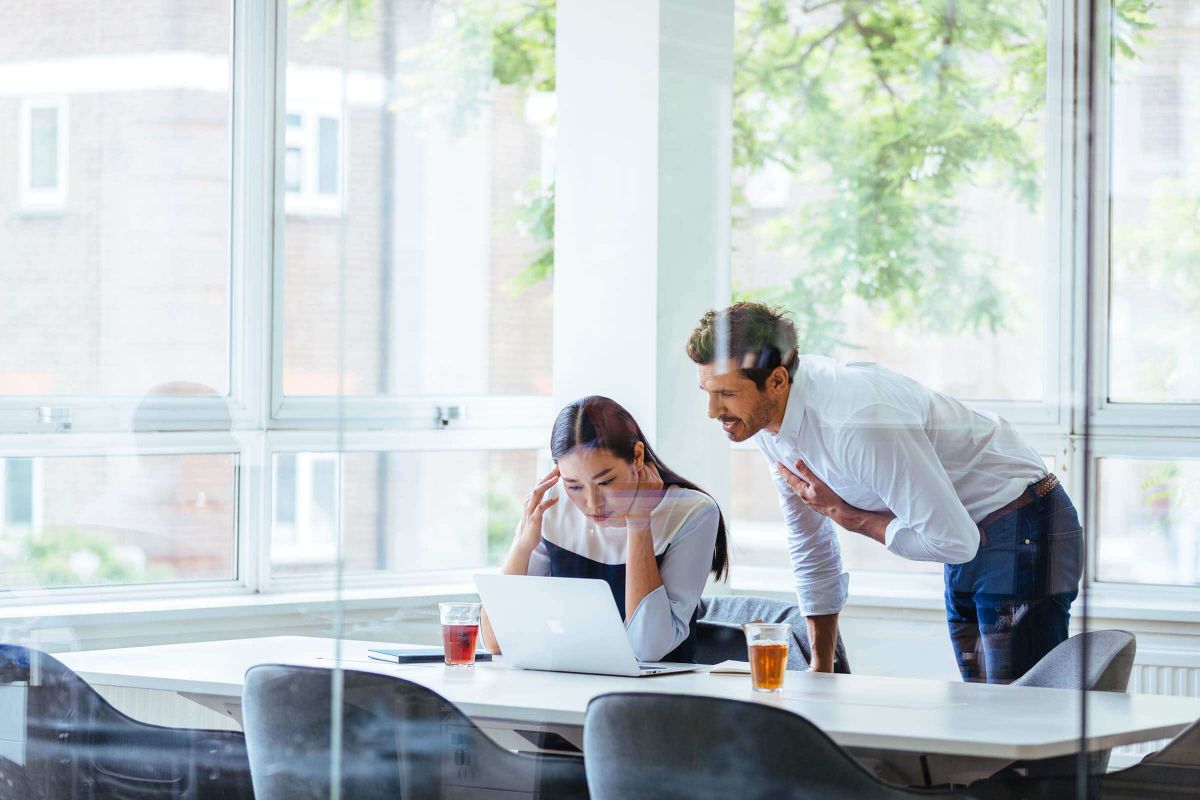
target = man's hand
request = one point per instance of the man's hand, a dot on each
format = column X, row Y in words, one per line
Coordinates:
column 813, row 492
column 811, row 489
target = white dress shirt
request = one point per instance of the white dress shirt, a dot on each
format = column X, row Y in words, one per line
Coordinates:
column 683, row 528
column 885, row 443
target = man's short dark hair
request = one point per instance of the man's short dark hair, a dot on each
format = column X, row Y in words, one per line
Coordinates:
column 760, row 338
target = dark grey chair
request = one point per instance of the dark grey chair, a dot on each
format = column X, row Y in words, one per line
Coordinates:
column 1169, row 774
column 1109, row 663
column 719, row 635
column 76, row 746
column 398, row 740
column 679, row 747
column 1110, row 656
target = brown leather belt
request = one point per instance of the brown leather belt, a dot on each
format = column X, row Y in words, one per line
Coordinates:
column 1040, row 489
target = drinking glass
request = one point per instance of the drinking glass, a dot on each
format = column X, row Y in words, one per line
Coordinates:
column 460, row 631
column 768, row 646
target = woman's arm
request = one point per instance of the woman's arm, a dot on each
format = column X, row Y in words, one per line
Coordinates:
column 662, row 619
column 641, row 568
column 529, row 536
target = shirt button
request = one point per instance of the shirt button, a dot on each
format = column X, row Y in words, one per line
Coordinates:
column 1026, row 541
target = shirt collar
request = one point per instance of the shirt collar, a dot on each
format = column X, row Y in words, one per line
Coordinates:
column 793, row 415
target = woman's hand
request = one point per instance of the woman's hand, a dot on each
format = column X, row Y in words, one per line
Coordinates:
column 647, row 494
column 530, row 530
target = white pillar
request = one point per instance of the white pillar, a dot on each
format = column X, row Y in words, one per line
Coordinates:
column 642, row 220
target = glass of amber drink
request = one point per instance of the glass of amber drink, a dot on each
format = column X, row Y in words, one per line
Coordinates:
column 460, row 630
column 768, row 646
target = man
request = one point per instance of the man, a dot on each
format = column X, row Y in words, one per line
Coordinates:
column 883, row 456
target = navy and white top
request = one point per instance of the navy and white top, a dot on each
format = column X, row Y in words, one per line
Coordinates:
column 684, row 531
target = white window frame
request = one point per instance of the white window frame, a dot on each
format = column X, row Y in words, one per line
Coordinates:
column 264, row 422
column 42, row 199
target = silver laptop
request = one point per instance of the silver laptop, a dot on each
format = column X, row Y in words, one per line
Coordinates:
column 562, row 625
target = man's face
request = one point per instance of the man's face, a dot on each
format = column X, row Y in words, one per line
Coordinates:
column 733, row 400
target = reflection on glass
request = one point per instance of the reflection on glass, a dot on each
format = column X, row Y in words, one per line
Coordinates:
column 889, row 185
column 116, row 247
column 95, row 520
column 398, row 511
column 1155, row 208
column 1148, row 520
column 446, row 165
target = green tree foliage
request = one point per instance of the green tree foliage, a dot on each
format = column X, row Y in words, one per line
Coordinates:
column 885, row 111
column 66, row 556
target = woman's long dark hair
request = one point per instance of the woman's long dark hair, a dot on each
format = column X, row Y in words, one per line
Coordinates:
column 603, row 423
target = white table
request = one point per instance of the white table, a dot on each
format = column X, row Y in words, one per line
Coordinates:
column 957, row 722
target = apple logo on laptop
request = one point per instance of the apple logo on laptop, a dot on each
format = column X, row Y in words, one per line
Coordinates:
column 555, row 627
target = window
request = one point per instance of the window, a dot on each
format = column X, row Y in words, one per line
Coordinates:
column 43, row 172
column 313, row 162
column 398, row 511
column 1149, row 520
column 1146, row 406
column 110, row 519
column 129, row 285
column 902, row 213
column 1154, row 285
column 173, row 387
column 445, row 277
column 203, row 280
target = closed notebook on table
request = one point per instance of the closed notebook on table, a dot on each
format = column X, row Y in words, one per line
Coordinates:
column 417, row 655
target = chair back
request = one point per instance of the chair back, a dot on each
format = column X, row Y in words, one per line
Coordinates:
column 680, row 747
column 398, row 739
column 719, row 635
column 74, row 745
column 1109, row 656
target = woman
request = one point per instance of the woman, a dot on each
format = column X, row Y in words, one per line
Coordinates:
column 652, row 535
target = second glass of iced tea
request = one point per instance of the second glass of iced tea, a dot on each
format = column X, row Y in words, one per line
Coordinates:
column 768, row 646
column 460, row 632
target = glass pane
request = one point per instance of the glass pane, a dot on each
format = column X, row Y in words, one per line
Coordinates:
column 1155, row 222
column 94, row 520
column 130, row 287
column 916, row 235
column 43, row 142
column 399, row 511
column 1148, row 518
column 448, row 173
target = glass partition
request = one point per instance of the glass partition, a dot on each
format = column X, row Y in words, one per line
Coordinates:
column 344, row 336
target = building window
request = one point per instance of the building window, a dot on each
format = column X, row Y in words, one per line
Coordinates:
column 43, row 154
column 312, row 162
column 18, row 496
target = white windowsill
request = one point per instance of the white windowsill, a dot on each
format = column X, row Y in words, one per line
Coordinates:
column 227, row 605
column 871, row 593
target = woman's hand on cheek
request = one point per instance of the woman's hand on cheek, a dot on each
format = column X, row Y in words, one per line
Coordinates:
column 647, row 494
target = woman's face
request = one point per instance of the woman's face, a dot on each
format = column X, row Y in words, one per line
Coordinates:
column 599, row 483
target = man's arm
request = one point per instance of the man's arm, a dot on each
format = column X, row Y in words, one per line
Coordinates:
column 820, row 581
column 926, row 520
column 822, row 640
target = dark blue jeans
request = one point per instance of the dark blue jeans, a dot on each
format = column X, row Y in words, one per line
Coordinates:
column 1011, row 604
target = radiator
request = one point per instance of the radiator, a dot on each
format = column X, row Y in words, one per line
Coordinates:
column 1159, row 672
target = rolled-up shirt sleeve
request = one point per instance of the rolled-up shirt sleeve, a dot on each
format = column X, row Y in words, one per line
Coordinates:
column 822, row 584
column 899, row 462
column 663, row 618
